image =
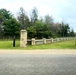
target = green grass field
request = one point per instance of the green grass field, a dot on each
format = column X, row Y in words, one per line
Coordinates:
column 7, row 44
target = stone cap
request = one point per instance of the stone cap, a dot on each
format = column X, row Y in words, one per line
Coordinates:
column 23, row 30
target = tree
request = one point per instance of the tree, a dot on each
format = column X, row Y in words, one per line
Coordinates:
column 4, row 15
column 23, row 19
column 11, row 28
column 49, row 20
column 34, row 16
column 72, row 34
column 57, row 29
column 35, row 30
column 64, row 29
column 31, row 32
column 39, row 30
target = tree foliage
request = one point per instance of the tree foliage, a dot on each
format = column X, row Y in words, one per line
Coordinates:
column 23, row 18
column 72, row 33
column 34, row 16
column 11, row 28
column 8, row 24
column 36, row 28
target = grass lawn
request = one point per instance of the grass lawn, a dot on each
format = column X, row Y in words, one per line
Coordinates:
column 7, row 44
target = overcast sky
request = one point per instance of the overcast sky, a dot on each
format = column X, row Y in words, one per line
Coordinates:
column 61, row 10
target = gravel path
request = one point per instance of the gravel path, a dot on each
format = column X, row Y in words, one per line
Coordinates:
column 45, row 51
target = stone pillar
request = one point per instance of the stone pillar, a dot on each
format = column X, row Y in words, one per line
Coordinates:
column 23, row 38
column 33, row 41
column 52, row 40
column 44, row 39
column 57, row 39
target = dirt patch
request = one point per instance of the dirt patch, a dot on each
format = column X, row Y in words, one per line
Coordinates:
column 45, row 51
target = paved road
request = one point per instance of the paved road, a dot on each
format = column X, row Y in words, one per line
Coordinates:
column 37, row 64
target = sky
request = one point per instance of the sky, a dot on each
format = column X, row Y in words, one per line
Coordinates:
column 61, row 10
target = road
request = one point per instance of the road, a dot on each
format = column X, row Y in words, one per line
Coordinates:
column 37, row 64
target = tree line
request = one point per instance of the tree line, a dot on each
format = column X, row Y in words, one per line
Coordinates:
column 36, row 27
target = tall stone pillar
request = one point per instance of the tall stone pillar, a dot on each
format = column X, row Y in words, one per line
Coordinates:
column 23, row 38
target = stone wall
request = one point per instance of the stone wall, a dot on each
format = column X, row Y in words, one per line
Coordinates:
column 34, row 41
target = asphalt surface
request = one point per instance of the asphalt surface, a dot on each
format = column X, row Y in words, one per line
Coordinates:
column 37, row 64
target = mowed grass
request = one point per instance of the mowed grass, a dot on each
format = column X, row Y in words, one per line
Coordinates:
column 8, row 44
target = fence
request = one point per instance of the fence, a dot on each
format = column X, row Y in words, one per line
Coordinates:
column 34, row 41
